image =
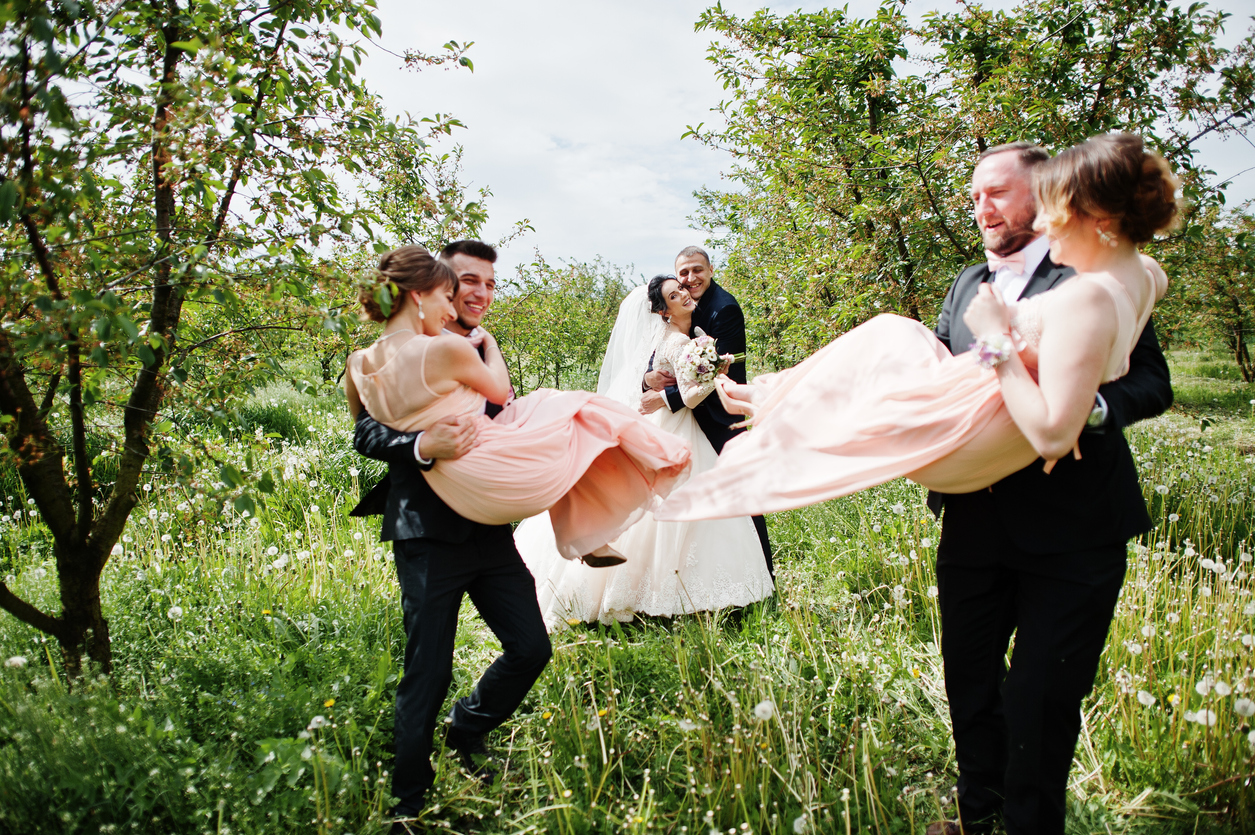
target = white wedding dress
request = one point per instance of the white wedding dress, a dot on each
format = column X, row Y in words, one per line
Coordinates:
column 672, row 567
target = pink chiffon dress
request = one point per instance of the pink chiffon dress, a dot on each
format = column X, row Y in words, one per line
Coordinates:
column 594, row 464
column 885, row 400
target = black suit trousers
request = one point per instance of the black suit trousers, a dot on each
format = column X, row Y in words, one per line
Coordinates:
column 1016, row 727
column 434, row 575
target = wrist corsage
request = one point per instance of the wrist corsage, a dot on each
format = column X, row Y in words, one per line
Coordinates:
column 993, row 351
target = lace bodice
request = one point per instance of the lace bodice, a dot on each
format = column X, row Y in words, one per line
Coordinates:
column 391, row 380
column 1026, row 321
column 667, row 358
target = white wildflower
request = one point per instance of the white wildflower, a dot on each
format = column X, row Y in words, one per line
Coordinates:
column 1145, row 698
column 1222, row 688
column 799, row 824
column 116, row 551
column 1161, row 489
column 1204, row 686
column 316, row 723
column 1148, row 631
column 17, row 662
column 1244, row 707
column 174, row 613
column 764, row 710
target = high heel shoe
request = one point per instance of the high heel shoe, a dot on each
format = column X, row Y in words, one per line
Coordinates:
column 603, row 557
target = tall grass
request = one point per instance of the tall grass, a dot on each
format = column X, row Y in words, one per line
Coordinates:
column 257, row 659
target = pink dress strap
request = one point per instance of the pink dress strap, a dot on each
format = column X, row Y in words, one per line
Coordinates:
column 391, row 379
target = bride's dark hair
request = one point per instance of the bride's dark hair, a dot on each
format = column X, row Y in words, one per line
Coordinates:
column 1110, row 176
column 658, row 304
column 401, row 270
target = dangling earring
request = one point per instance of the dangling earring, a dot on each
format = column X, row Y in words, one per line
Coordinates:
column 1107, row 238
column 421, row 315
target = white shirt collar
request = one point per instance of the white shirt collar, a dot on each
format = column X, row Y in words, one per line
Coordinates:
column 1034, row 253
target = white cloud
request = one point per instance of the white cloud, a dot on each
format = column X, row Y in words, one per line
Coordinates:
column 575, row 111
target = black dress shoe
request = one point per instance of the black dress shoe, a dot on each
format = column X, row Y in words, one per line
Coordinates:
column 955, row 828
column 474, row 754
column 404, row 822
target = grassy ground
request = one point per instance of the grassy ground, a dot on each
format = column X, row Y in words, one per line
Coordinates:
column 257, row 659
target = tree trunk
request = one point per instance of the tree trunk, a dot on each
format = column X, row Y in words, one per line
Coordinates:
column 1237, row 342
column 85, row 628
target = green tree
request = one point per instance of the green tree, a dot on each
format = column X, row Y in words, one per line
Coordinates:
column 553, row 322
column 854, row 140
column 169, row 173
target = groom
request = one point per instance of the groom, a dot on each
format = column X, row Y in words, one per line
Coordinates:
column 1041, row 556
column 439, row 557
column 719, row 316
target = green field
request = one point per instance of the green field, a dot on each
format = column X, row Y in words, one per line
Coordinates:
column 257, row 659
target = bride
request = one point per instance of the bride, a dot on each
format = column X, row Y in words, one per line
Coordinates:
column 593, row 463
column 887, row 399
column 672, row 567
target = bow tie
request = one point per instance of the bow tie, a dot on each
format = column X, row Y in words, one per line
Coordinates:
column 1014, row 262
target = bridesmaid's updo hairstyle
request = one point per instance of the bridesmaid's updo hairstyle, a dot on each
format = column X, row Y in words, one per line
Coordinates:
column 1110, row 176
column 401, row 270
column 657, row 303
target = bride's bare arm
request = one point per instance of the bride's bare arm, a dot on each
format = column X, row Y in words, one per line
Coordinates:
column 452, row 360
column 1078, row 330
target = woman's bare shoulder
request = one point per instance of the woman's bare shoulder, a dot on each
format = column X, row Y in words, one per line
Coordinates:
column 452, row 347
column 1082, row 302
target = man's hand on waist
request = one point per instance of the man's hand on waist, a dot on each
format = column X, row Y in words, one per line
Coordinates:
column 447, row 439
column 652, row 401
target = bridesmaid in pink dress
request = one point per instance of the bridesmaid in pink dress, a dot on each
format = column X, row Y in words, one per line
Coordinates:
column 594, row 464
column 887, row 399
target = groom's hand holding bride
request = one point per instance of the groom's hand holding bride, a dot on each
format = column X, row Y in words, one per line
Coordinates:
column 652, row 399
column 449, row 438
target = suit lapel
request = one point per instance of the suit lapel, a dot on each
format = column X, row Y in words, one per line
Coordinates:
column 1047, row 275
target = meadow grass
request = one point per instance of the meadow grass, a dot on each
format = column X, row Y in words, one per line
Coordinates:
column 257, row 658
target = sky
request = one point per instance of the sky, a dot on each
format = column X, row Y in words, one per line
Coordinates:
column 575, row 111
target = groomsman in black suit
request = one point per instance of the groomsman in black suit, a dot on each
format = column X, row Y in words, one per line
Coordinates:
column 719, row 316
column 439, row 557
column 1041, row 556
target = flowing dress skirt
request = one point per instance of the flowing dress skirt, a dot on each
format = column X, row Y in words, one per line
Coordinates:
column 672, row 567
column 594, row 464
column 886, row 399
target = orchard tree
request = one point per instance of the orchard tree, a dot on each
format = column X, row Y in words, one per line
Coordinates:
column 170, row 172
column 553, row 321
column 854, row 140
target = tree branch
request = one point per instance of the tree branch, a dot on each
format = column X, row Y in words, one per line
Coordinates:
column 182, row 352
column 237, row 169
column 28, row 614
column 78, row 433
column 49, row 395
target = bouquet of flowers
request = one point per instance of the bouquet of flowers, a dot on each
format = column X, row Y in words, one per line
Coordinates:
column 700, row 363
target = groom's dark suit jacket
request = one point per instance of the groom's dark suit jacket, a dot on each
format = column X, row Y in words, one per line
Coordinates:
column 1080, row 504
column 719, row 316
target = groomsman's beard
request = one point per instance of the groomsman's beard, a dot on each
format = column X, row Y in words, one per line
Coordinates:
column 1015, row 239
column 1014, row 242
